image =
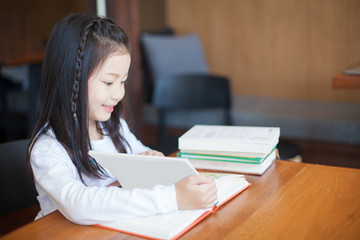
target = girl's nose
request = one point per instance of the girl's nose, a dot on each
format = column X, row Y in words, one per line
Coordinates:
column 118, row 93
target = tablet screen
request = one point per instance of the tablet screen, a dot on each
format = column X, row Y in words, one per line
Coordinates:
column 143, row 171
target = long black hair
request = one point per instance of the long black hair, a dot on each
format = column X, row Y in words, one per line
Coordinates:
column 78, row 44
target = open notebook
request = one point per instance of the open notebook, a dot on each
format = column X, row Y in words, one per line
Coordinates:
column 171, row 225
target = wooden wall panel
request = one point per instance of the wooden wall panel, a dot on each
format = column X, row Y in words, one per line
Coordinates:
column 125, row 14
column 283, row 48
column 152, row 15
column 26, row 25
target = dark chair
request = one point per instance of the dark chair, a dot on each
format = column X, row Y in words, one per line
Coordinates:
column 182, row 81
column 18, row 123
column 289, row 151
column 16, row 187
column 11, row 125
column 190, row 92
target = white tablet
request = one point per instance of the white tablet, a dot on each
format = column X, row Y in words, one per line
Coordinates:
column 143, row 171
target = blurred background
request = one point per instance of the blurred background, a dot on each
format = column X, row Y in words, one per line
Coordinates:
column 280, row 57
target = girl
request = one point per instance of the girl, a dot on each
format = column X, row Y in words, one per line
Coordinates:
column 86, row 65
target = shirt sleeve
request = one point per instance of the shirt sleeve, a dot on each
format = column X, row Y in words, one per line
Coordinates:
column 59, row 185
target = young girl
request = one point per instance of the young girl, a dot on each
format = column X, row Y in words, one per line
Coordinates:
column 86, row 65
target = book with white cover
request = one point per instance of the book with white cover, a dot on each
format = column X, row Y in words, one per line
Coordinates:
column 353, row 71
column 243, row 139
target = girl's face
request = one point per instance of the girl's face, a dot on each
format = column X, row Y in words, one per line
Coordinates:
column 106, row 87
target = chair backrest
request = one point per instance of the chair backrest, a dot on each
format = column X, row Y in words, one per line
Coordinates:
column 16, row 187
column 182, row 78
column 191, row 91
column 174, row 55
column 147, row 75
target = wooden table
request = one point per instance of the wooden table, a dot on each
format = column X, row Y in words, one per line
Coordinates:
column 290, row 201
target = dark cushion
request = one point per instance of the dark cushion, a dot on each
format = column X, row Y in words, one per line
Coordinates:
column 171, row 55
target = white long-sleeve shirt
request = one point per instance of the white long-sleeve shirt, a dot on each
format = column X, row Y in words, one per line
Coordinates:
column 60, row 188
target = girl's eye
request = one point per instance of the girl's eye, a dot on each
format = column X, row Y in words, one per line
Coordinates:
column 108, row 83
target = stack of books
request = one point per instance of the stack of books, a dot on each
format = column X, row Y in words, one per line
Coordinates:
column 241, row 149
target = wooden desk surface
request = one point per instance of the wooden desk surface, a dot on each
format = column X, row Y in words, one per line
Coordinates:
column 290, row 201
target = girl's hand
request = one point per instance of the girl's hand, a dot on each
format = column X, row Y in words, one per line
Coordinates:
column 152, row 153
column 194, row 192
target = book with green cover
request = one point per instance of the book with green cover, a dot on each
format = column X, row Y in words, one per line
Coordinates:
column 224, row 158
column 233, row 166
column 241, row 141
column 226, row 153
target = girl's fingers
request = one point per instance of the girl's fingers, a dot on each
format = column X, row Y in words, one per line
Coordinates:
column 152, row 153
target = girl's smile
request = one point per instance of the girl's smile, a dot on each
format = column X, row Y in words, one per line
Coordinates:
column 108, row 108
